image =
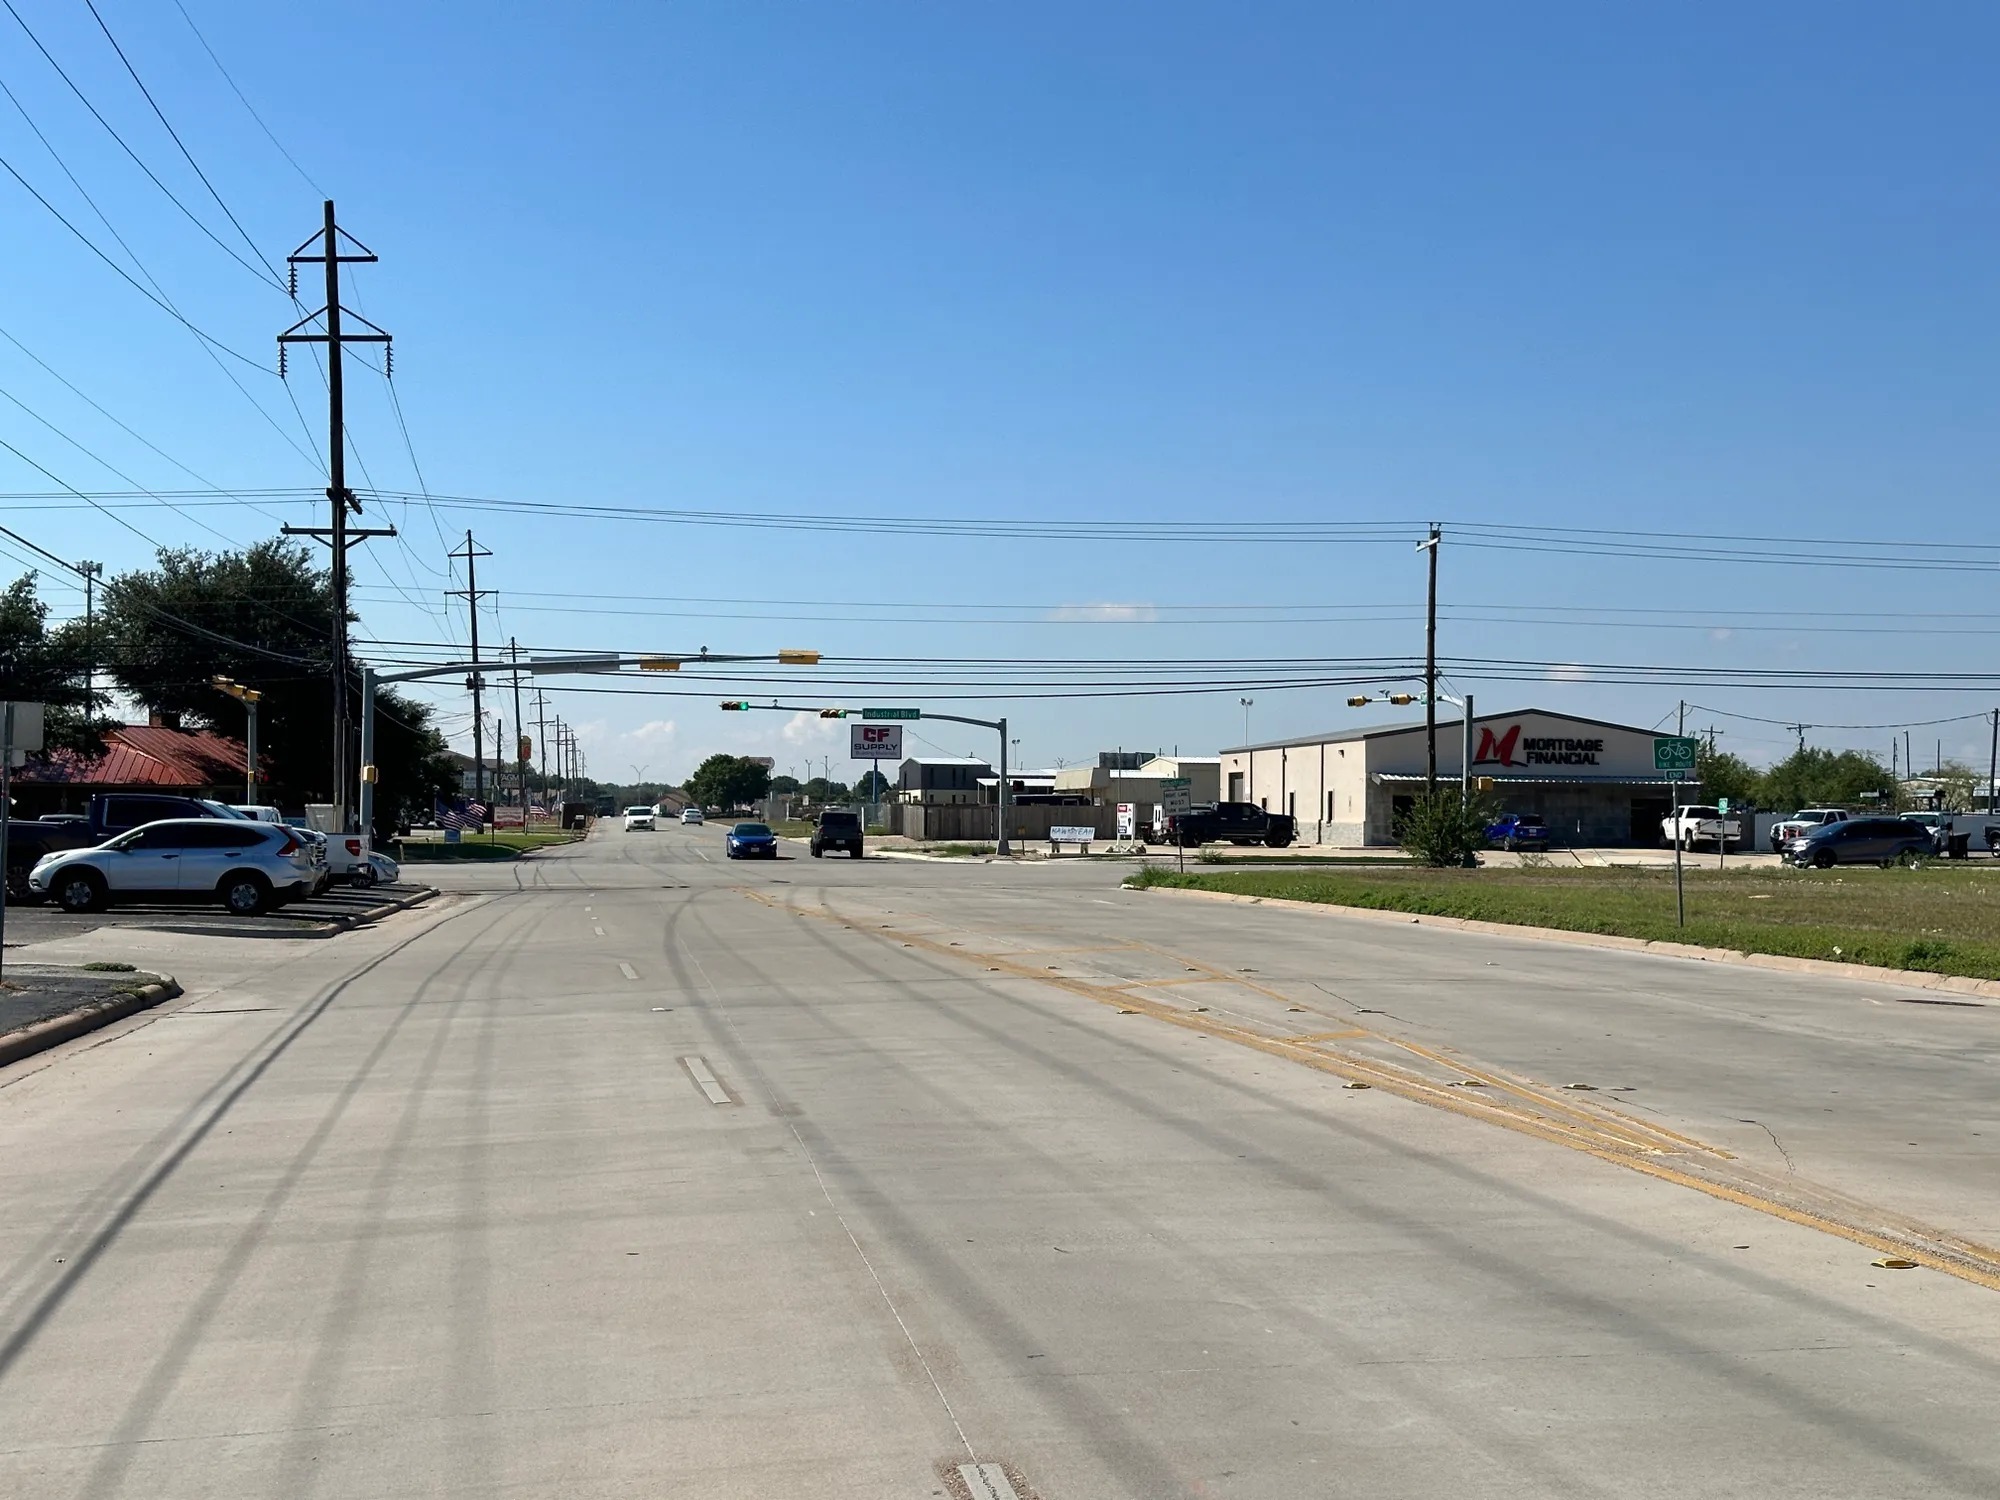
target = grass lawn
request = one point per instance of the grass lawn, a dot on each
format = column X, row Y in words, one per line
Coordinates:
column 475, row 846
column 1942, row 919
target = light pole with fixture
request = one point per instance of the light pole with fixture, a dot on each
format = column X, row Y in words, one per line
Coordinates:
column 249, row 698
column 1246, row 702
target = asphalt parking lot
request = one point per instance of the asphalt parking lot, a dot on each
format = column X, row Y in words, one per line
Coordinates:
column 322, row 914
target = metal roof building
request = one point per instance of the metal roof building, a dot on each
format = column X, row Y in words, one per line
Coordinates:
column 1592, row 780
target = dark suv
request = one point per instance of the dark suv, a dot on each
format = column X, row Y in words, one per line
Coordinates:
column 837, row 830
column 1862, row 841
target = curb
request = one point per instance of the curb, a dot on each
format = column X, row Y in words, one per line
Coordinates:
column 1825, row 968
column 59, row 1029
column 386, row 909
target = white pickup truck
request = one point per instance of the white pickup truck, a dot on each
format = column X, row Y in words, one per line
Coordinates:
column 1803, row 822
column 1693, row 825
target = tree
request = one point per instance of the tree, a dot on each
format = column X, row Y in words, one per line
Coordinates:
column 1957, row 784
column 784, row 785
column 1724, row 775
column 1442, row 829
column 1814, row 777
column 41, row 665
column 263, row 617
column 728, row 781
column 872, row 787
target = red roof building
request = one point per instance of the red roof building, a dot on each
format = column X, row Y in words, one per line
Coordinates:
column 137, row 757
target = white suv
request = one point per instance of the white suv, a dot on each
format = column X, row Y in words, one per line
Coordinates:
column 690, row 815
column 248, row 866
column 638, row 817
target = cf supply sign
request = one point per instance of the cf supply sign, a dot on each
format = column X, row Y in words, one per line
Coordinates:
column 875, row 741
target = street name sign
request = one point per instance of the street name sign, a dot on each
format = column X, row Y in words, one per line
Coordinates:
column 892, row 713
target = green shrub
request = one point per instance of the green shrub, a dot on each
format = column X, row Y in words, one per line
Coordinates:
column 1440, row 830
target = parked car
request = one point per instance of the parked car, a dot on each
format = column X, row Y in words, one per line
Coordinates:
column 1803, row 822
column 317, row 843
column 750, row 841
column 1979, row 830
column 1862, row 841
column 28, row 842
column 381, row 870
column 837, row 831
column 113, row 813
column 248, row 866
column 1518, row 831
column 690, row 815
column 638, row 817
column 1692, row 825
column 1230, row 823
column 64, row 818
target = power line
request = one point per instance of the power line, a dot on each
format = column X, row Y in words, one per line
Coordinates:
column 268, row 135
column 160, row 115
column 266, row 274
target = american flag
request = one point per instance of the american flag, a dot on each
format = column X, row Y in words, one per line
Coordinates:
column 460, row 813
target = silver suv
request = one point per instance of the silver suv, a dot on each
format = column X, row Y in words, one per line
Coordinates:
column 248, row 867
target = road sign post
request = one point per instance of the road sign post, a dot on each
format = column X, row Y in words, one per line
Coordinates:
column 1177, row 796
column 1675, row 755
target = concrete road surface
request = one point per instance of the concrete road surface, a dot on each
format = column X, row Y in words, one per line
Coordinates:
column 629, row 1171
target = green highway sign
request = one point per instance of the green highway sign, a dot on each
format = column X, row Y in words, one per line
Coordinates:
column 1674, row 752
column 915, row 713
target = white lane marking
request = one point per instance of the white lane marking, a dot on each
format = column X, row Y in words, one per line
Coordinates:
column 598, row 930
column 704, row 856
column 988, row 1482
column 704, row 1080
column 628, row 971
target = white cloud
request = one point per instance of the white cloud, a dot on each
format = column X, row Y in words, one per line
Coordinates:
column 1568, row 672
column 1721, row 633
column 1104, row 614
column 803, row 730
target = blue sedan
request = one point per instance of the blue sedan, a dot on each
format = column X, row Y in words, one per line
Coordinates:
column 750, row 841
column 1518, row 831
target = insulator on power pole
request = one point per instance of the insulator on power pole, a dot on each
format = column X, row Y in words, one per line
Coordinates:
column 292, row 281
column 281, row 361
column 389, row 360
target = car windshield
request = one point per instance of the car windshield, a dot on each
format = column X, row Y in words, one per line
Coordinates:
column 224, row 810
column 751, row 830
column 638, row 812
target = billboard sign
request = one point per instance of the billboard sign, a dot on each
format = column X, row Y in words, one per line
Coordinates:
column 875, row 741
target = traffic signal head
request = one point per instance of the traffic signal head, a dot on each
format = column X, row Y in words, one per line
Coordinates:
column 833, row 713
column 1361, row 702
column 1402, row 700
column 738, row 707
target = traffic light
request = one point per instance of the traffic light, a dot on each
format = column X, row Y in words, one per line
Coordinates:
column 833, row 713
column 1362, row 702
column 1402, row 700
column 738, row 707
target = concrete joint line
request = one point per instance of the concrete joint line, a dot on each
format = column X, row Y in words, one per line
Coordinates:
column 705, row 1080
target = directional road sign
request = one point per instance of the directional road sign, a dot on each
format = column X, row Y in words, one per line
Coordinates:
column 1176, row 795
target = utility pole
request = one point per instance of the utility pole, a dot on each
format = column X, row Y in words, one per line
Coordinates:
column 91, row 572
column 472, row 593
column 542, row 739
column 338, row 536
column 1800, row 731
column 1431, row 665
column 1681, row 726
column 1993, row 764
column 520, row 734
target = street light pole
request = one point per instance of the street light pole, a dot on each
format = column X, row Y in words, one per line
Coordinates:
column 1431, row 665
column 249, row 698
column 1247, row 704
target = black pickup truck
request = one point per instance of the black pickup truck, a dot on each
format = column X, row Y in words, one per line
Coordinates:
column 1230, row 823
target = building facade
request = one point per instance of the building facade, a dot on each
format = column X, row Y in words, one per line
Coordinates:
column 942, row 779
column 1592, row 781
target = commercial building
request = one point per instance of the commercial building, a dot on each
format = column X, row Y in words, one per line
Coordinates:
column 941, row 779
column 154, row 757
column 1144, row 784
column 1592, row 781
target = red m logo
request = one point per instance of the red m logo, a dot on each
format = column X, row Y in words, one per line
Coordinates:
column 1501, row 750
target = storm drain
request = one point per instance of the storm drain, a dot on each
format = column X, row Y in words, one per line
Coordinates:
column 705, row 1080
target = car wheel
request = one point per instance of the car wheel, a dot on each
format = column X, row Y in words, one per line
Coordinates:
column 855, row 852
column 80, row 891
column 1910, row 859
column 815, row 851
column 18, row 892
column 1508, row 844
column 365, row 876
column 1822, row 859
column 245, row 893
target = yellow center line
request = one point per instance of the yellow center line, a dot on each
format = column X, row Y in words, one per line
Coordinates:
column 1552, row 1120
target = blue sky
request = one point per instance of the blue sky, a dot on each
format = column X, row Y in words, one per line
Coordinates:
column 1718, row 271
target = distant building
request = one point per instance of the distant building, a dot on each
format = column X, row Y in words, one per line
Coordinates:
column 1145, row 784
column 1593, row 782
column 1123, row 760
column 941, row 779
